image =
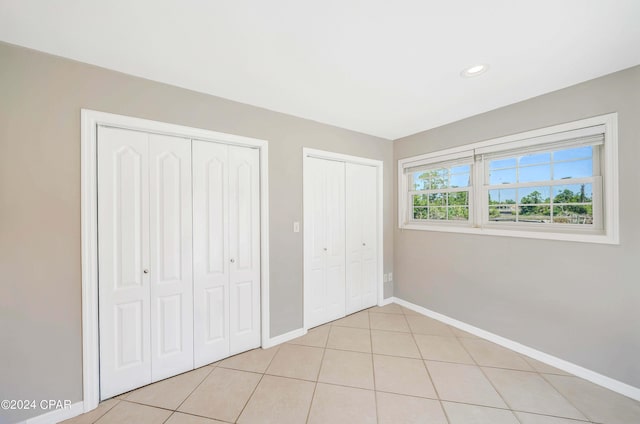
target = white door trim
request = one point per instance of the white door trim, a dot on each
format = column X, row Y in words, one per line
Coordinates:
column 90, row 119
column 340, row 157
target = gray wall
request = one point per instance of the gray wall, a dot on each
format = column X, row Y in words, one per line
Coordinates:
column 40, row 101
column 577, row 301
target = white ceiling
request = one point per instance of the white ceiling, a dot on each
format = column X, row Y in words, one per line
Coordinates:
column 382, row 67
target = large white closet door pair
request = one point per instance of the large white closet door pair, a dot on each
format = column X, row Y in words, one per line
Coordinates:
column 163, row 308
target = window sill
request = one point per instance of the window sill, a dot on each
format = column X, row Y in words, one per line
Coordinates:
column 544, row 235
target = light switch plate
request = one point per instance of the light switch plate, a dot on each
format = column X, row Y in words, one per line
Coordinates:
column 384, row 278
column 391, row 276
column 296, row 227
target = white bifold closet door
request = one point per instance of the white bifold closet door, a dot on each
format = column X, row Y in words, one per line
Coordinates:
column 361, row 236
column 144, row 253
column 324, row 244
column 226, row 235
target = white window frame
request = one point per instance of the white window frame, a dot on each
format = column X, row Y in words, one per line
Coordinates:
column 479, row 222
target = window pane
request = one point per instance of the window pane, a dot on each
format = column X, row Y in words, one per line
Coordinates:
column 535, row 159
column 502, row 163
column 534, row 194
column 459, row 180
column 439, row 178
column 420, row 200
column 438, row 213
column 438, row 199
column 533, row 211
column 535, row 173
column 576, row 169
column 504, row 176
column 575, row 153
column 573, row 214
column 535, row 214
column 420, row 181
column 462, row 169
column 458, row 213
column 573, row 193
column 460, row 198
column 504, row 213
column 502, row 197
column 420, row 213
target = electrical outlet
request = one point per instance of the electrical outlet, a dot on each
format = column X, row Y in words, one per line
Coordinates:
column 296, row 227
column 390, row 276
column 384, row 278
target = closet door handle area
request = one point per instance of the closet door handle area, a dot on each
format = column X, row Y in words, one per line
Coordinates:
column 324, row 248
column 364, row 244
column 146, row 271
column 233, row 261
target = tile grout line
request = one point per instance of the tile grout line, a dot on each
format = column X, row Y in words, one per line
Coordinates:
column 159, row 407
column 198, row 385
column 169, row 417
column 419, row 397
column 256, row 388
column 412, row 357
column 150, row 406
column 201, row 416
column 460, row 339
column 248, row 399
column 105, row 412
column 226, row 367
column 315, row 386
column 435, row 399
column 564, row 397
column 373, row 370
column 424, row 364
column 451, row 401
column 520, row 410
column 491, row 382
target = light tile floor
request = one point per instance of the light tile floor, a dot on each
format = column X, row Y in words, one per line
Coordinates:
column 384, row 365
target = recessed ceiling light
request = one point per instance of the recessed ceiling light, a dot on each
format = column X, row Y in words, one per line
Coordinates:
column 474, row 71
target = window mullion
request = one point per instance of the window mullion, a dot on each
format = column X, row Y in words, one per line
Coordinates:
column 480, row 201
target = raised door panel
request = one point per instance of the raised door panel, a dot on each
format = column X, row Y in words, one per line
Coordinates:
column 170, row 271
column 335, row 233
column 211, row 251
column 244, row 248
column 123, row 254
column 315, row 241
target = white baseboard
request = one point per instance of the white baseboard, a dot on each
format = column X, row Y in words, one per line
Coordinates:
column 282, row 338
column 56, row 415
column 592, row 376
column 386, row 301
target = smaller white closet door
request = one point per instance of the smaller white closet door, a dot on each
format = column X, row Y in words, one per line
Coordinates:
column 324, row 191
column 170, row 256
column 244, row 248
column 123, row 240
column 361, row 236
